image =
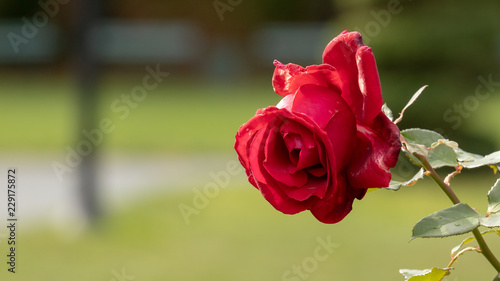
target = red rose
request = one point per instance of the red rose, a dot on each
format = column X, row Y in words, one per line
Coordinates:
column 327, row 140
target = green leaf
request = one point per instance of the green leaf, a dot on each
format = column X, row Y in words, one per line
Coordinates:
column 475, row 161
column 454, row 220
column 418, row 149
column 464, row 156
column 490, row 221
column 497, row 278
column 388, row 112
column 405, row 168
column 412, row 100
column 438, row 157
column 404, row 173
column 396, row 185
column 494, row 198
column 433, row 274
column 466, row 240
column 456, row 249
column 449, row 143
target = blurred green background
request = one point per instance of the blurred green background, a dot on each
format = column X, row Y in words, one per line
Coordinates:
column 165, row 152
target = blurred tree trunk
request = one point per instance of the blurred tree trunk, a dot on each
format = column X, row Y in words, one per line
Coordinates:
column 87, row 13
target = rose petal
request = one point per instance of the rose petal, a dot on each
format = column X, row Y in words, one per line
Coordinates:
column 286, row 102
column 284, row 203
column 369, row 83
column 337, row 202
column 332, row 114
column 328, row 107
column 250, row 146
column 356, row 66
column 317, row 171
column 283, row 75
column 267, row 185
column 318, row 103
column 308, row 158
column 296, row 136
column 246, row 134
column 376, row 152
column 288, row 78
column 315, row 189
column 294, row 181
column 277, row 162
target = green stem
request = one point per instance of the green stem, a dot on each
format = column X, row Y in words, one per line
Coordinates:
column 432, row 173
column 485, row 250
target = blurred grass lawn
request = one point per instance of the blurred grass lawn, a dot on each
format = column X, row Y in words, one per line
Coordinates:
column 178, row 116
column 238, row 236
column 191, row 116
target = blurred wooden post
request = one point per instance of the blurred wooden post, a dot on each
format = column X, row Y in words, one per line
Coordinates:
column 86, row 14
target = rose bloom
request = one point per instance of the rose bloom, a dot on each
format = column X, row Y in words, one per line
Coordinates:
column 327, row 141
